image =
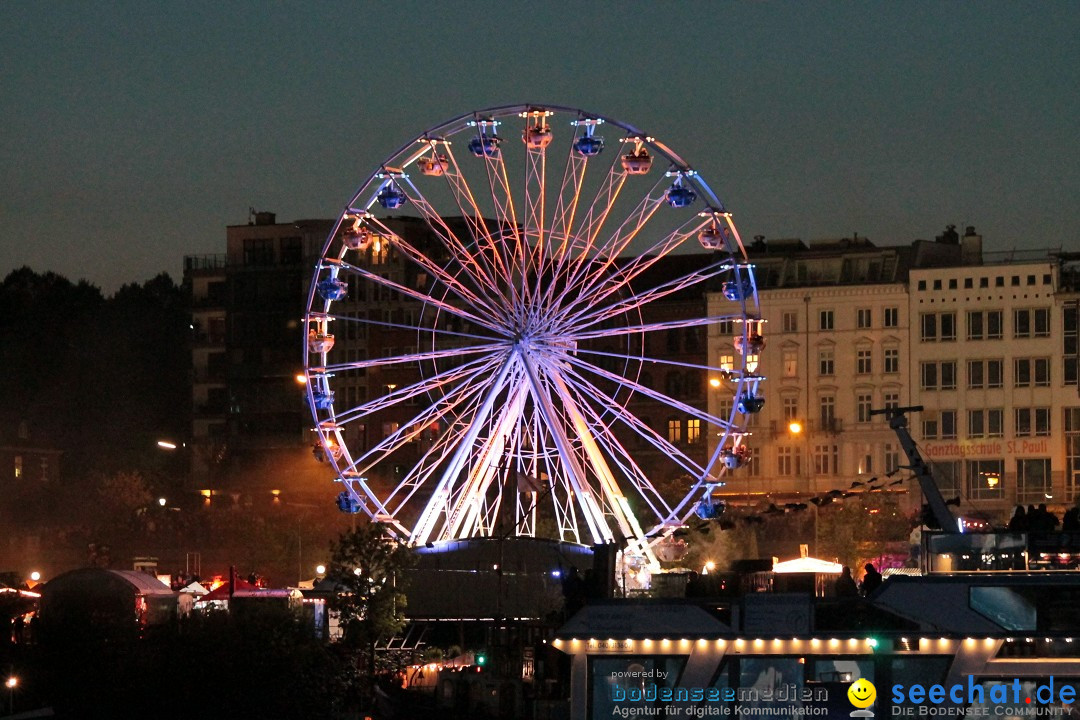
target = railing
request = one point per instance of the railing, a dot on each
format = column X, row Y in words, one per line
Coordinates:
column 214, row 261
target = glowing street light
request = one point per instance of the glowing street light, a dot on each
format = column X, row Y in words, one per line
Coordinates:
column 35, row 576
column 161, row 501
column 320, row 569
column 794, row 427
column 11, row 682
column 166, row 445
column 301, row 379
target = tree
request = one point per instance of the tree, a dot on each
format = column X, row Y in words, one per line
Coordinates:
column 369, row 588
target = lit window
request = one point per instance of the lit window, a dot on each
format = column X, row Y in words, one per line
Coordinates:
column 693, row 431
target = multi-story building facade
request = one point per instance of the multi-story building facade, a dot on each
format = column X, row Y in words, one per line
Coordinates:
column 986, row 345
column 247, row 308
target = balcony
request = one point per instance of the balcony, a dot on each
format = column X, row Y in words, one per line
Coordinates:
column 203, row 263
column 833, row 426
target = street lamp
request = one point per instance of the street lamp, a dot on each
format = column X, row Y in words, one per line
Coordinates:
column 320, row 569
column 11, row 682
column 161, row 501
column 794, row 427
column 166, row 445
column 35, row 576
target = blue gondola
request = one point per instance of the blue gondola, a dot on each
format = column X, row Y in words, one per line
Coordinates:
column 748, row 404
column 707, row 510
column 391, row 198
column 680, row 197
column 588, row 146
column 485, row 145
column 333, row 289
column 323, row 400
column 737, row 290
column 347, row 503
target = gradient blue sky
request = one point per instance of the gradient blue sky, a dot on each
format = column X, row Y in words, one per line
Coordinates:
column 132, row 133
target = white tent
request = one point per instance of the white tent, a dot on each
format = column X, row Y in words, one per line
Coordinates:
column 808, row 565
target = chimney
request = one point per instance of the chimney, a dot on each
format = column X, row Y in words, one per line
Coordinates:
column 971, row 247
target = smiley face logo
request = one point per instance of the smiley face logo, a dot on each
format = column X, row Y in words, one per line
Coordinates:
column 862, row 693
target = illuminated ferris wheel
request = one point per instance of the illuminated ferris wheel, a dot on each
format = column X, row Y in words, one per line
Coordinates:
column 482, row 329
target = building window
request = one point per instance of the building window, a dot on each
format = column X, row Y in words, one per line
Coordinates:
column 1069, row 340
column 976, row 423
column 1031, row 323
column 1030, row 372
column 947, row 326
column 826, row 459
column 975, row 326
column 693, row 431
column 1032, row 421
column 727, row 363
column 985, row 373
column 891, row 317
column 948, row 424
column 929, row 426
column 791, row 408
column 891, row 399
column 892, row 458
column 1040, row 319
column 791, row 322
column 1021, row 323
column 863, row 404
column 938, row 327
column 826, row 362
column 825, row 320
column 938, row 375
column 674, row 431
column 975, row 370
column 1072, row 453
column 1033, row 480
column 995, row 422
column 828, row 412
column 791, row 363
column 788, row 461
column 947, row 473
column 18, row 466
column 862, row 318
column 891, row 361
column 985, row 479
column 863, row 361
column 928, row 322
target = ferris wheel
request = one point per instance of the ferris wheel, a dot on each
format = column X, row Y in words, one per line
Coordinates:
column 487, row 317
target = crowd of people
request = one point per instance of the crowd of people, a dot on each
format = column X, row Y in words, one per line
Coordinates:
column 845, row 585
column 1039, row 519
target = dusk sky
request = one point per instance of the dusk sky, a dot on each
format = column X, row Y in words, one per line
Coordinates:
column 132, row 133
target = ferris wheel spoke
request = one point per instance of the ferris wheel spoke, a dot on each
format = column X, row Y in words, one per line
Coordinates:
column 416, row 295
column 647, row 391
column 613, row 497
column 361, row 320
column 653, row 327
column 422, row 387
column 631, row 421
column 448, row 405
column 488, row 252
column 411, row 358
column 587, row 318
column 566, row 202
column 467, row 516
column 430, row 514
column 591, row 297
column 481, row 300
column 619, row 454
column 660, row 361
